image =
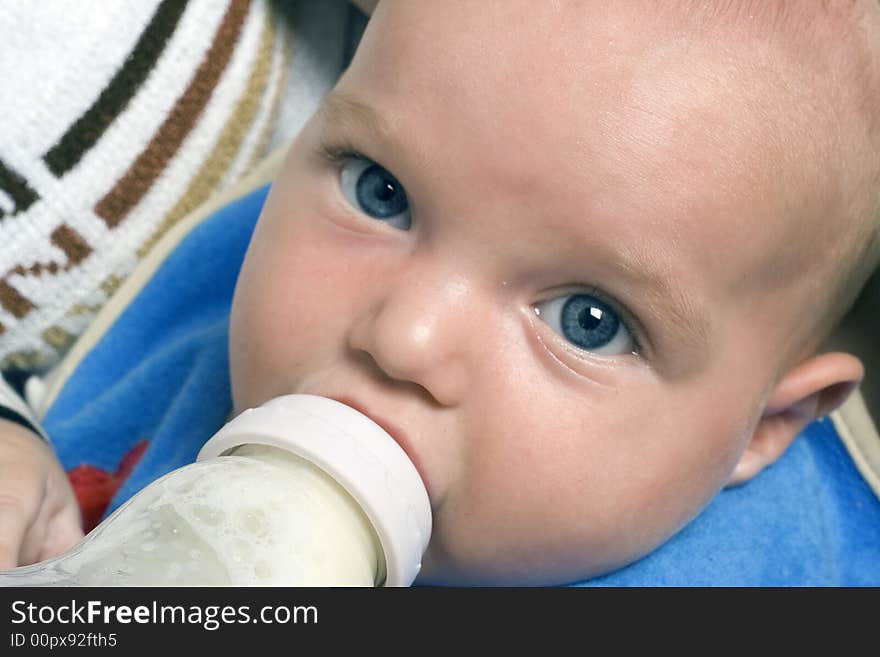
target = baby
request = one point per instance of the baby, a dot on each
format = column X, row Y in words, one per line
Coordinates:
column 579, row 260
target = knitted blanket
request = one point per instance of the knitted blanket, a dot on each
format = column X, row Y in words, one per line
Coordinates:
column 119, row 118
column 154, row 386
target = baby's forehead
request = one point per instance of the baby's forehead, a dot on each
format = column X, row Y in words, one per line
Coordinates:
column 564, row 40
column 836, row 39
column 803, row 73
column 840, row 32
column 767, row 85
column 683, row 75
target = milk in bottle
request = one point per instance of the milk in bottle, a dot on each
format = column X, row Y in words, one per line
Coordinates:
column 302, row 491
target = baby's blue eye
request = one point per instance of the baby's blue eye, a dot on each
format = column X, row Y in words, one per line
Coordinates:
column 588, row 323
column 375, row 192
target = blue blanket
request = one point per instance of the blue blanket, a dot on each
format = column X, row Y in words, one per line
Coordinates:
column 157, row 383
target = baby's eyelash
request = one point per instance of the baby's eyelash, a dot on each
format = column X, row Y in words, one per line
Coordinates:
column 336, row 153
column 632, row 325
column 629, row 322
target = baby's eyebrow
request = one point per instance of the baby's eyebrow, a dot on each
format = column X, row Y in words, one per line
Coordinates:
column 664, row 299
column 348, row 112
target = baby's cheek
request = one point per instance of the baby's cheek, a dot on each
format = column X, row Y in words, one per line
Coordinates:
column 583, row 492
column 529, row 500
column 263, row 339
column 688, row 458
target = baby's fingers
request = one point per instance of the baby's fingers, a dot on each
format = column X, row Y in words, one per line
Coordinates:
column 14, row 522
column 64, row 532
column 21, row 494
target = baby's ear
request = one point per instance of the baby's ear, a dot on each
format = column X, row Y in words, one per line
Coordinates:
column 808, row 391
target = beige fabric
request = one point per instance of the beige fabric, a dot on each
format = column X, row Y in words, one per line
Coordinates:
column 859, row 434
column 856, row 421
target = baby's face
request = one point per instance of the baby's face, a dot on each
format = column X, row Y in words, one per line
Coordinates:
column 536, row 245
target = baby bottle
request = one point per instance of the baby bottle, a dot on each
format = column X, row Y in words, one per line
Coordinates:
column 301, row 491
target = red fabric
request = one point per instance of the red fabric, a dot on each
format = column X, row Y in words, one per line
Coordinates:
column 94, row 487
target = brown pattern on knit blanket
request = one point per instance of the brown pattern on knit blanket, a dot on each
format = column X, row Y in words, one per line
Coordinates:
column 74, row 247
column 136, row 182
column 149, row 165
column 115, row 97
column 220, row 160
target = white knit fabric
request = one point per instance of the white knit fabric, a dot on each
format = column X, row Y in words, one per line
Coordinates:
column 189, row 126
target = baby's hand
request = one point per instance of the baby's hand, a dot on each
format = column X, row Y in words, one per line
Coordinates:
column 39, row 515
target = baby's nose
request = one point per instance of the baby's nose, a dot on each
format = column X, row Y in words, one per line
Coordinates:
column 417, row 330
